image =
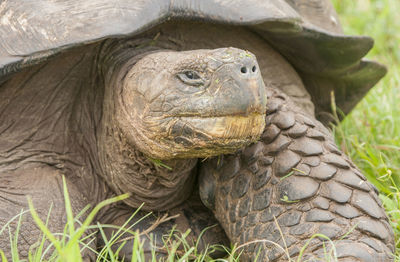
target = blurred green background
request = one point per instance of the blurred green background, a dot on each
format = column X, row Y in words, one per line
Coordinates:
column 371, row 133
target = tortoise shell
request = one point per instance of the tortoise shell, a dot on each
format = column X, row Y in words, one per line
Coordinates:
column 307, row 33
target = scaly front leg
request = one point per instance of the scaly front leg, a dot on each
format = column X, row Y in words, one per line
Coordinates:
column 293, row 184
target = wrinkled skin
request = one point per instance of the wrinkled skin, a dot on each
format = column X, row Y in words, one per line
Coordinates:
column 176, row 117
column 137, row 104
column 193, row 104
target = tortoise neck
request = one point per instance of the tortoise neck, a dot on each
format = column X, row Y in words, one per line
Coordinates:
column 160, row 185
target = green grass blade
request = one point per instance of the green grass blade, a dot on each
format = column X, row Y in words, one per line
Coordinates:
column 78, row 234
column 68, row 208
column 107, row 247
column 14, row 244
column 37, row 256
column 135, row 248
column 43, row 227
column 11, row 220
column 72, row 250
column 3, row 256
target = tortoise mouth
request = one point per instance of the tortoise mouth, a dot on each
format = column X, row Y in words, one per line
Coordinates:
column 199, row 137
column 227, row 127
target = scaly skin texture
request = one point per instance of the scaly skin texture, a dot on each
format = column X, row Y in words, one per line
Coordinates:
column 296, row 175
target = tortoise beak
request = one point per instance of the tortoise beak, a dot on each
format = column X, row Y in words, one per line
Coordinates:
column 256, row 97
column 239, row 86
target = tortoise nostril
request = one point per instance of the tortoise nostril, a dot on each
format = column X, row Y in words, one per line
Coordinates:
column 243, row 70
column 254, row 69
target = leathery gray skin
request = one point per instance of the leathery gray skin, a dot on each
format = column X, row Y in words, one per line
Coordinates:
column 213, row 104
column 180, row 106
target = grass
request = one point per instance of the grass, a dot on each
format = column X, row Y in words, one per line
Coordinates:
column 68, row 246
column 370, row 135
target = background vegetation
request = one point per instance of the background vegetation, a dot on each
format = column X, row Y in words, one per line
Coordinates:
column 371, row 133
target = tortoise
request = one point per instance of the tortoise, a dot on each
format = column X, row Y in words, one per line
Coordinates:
column 224, row 94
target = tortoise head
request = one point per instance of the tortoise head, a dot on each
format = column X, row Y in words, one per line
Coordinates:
column 192, row 104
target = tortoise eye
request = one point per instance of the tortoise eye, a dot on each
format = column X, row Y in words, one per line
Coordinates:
column 191, row 78
column 192, row 75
